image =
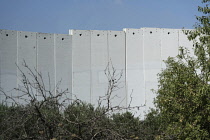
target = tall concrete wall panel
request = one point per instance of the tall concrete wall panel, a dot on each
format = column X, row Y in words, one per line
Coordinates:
column 99, row 61
column 27, row 53
column 135, row 75
column 8, row 60
column 116, row 55
column 63, row 54
column 46, row 59
column 152, row 62
column 81, row 66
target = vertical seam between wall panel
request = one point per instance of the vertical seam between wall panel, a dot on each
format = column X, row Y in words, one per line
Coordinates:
column 90, row 69
column 0, row 67
column 37, row 69
column 108, row 55
column 54, row 45
column 71, row 32
column 145, row 95
column 71, row 36
column 17, row 76
column 161, row 59
column 126, row 85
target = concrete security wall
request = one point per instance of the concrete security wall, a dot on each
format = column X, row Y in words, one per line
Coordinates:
column 50, row 54
column 92, row 51
column 78, row 60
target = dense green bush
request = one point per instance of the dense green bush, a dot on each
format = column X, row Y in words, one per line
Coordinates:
column 78, row 121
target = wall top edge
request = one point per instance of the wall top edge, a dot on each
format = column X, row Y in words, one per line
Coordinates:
column 71, row 31
column 143, row 28
column 164, row 28
column 27, row 32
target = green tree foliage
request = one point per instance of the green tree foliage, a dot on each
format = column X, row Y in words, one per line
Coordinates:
column 183, row 96
column 127, row 125
column 78, row 121
column 132, row 128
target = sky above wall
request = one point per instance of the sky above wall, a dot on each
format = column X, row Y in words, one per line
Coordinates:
column 58, row 16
